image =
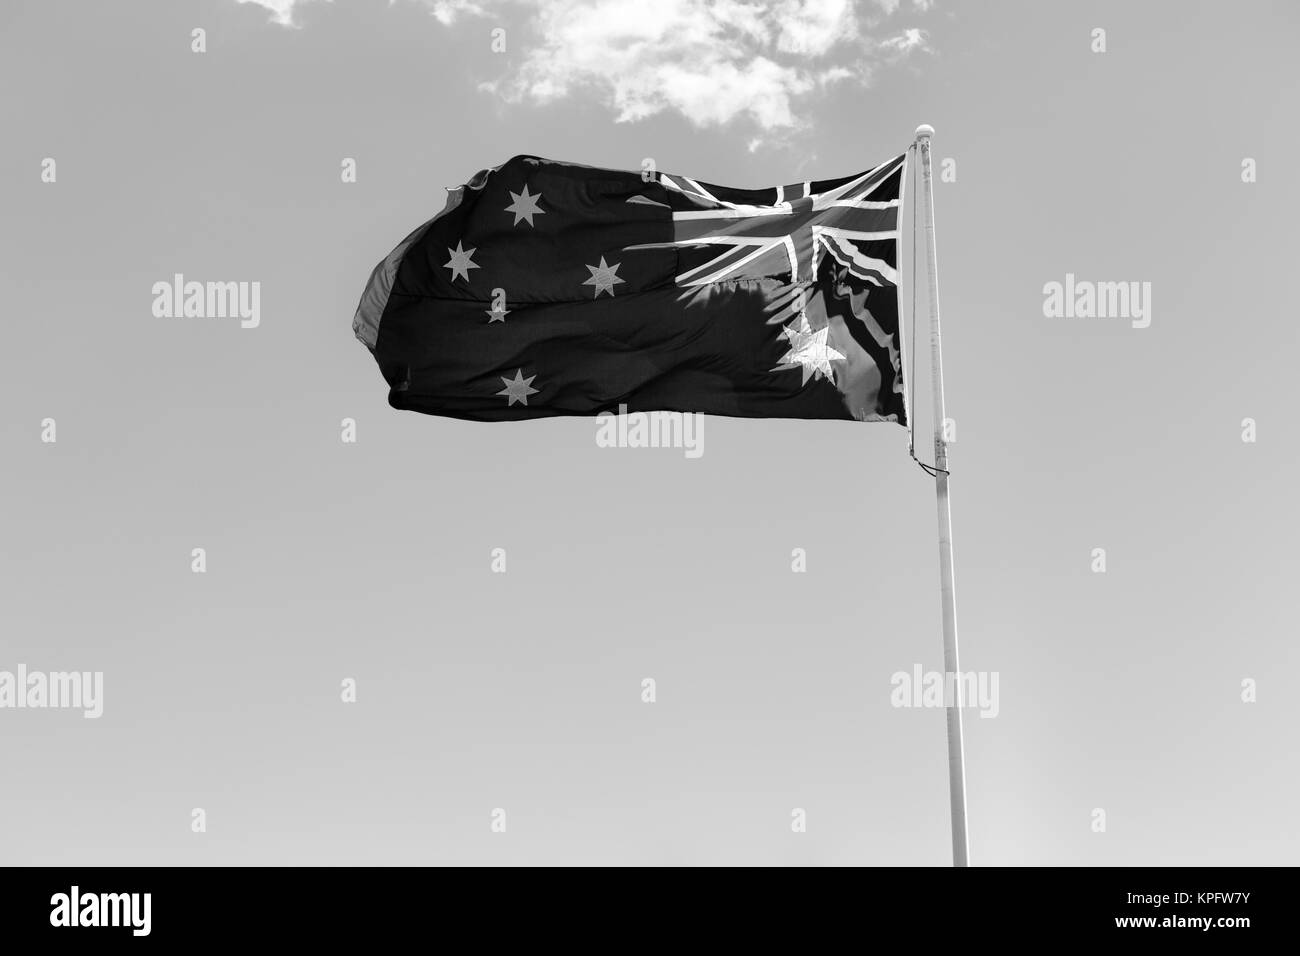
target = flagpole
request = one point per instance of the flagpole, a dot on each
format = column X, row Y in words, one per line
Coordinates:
column 947, row 592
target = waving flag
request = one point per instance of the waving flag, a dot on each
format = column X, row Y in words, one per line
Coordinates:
column 547, row 288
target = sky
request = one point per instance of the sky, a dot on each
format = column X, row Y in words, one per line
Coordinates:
column 371, row 561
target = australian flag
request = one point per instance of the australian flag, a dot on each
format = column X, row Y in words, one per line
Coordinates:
column 548, row 288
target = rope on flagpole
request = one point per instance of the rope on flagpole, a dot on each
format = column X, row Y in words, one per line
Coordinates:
column 930, row 470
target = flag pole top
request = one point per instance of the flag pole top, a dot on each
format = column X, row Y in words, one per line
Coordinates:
column 924, row 131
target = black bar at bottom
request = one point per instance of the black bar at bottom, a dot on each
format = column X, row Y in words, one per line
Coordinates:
column 662, row 907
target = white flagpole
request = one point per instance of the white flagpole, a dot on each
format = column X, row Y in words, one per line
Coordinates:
column 948, row 596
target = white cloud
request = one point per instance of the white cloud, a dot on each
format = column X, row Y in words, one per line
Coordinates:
column 813, row 27
column 447, row 11
column 891, row 6
column 904, row 43
column 710, row 60
column 281, row 10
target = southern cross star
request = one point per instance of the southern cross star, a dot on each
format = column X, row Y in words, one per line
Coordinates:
column 525, row 206
column 496, row 314
column 517, row 389
column 460, row 262
column 604, row 277
column 808, row 349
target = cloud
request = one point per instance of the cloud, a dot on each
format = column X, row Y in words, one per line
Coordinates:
column 447, row 12
column 712, row 61
column 904, row 43
column 281, row 10
column 891, row 6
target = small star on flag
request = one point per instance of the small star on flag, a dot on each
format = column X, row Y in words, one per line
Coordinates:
column 525, row 206
column 604, row 277
column 517, row 389
column 809, row 350
column 496, row 315
column 460, row 262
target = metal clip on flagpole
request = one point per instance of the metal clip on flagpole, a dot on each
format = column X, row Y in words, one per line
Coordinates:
column 948, row 596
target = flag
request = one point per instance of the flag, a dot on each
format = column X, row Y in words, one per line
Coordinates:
column 548, row 288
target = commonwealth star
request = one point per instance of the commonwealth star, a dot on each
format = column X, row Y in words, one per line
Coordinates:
column 808, row 349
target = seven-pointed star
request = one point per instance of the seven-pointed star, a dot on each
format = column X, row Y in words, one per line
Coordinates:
column 525, row 206
column 496, row 315
column 460, row 262
column 518, row 389
column 604, row 277
column 809, row 350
